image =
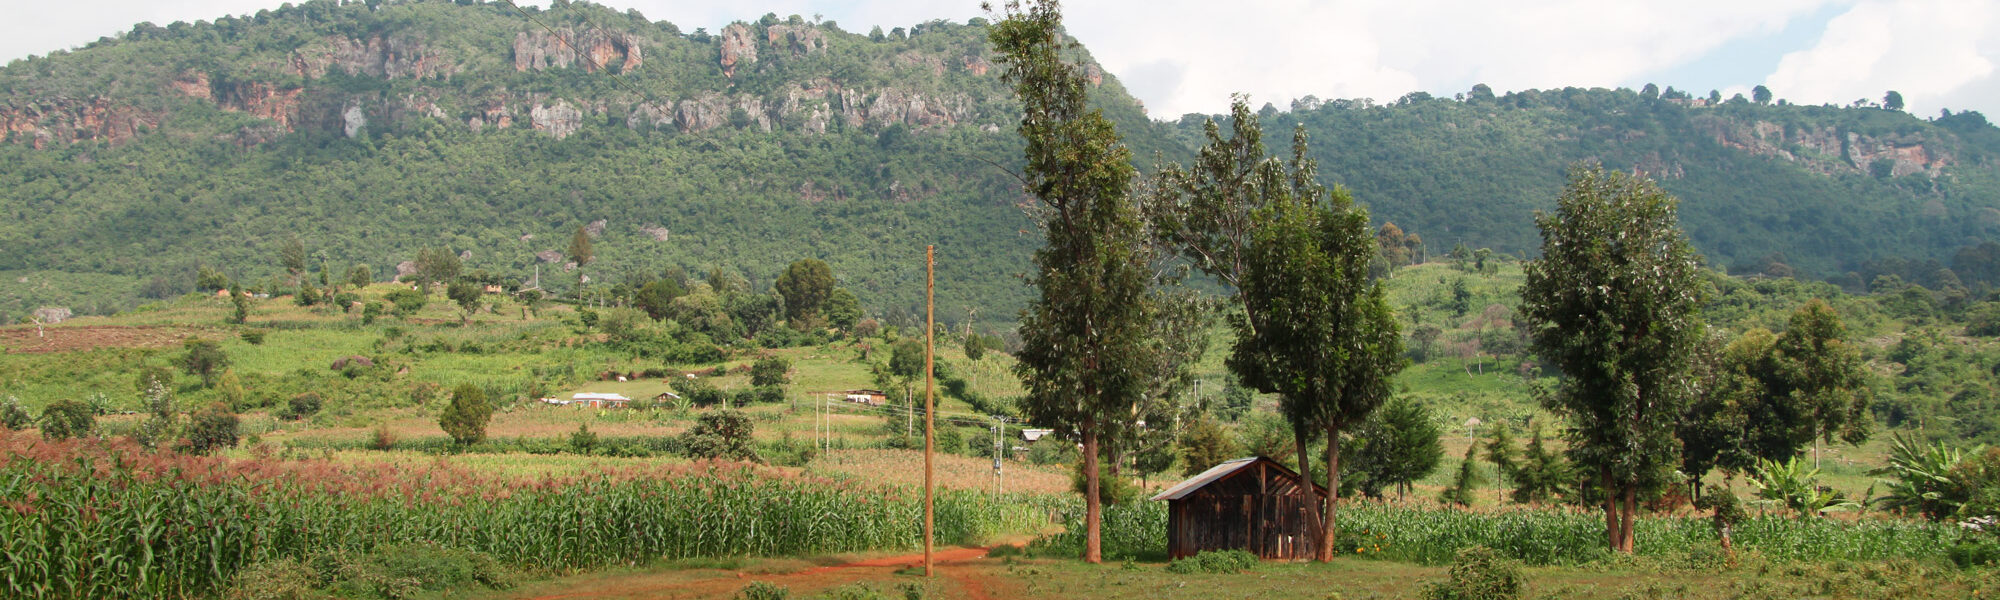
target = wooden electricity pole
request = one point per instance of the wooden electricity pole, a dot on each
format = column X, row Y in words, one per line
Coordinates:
column 930, row 395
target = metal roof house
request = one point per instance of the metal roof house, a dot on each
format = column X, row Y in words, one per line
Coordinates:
column 1254, row 504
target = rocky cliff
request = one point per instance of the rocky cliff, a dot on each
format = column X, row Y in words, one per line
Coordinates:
column 451, row 83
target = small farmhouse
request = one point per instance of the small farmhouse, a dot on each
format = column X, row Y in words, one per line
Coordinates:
column 1254, row 504
column 869, row 397
column 600, row 400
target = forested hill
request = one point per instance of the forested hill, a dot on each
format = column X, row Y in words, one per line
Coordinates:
column 1843, row 194
column 372, row 129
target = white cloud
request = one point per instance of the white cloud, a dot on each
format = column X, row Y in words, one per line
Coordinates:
column 1277, row 50
column 1936, row 53
column 1189, row 55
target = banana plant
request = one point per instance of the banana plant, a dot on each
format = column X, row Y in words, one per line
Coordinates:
column 1795, row 484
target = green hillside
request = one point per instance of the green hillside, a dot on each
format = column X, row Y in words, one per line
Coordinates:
column 372, row 130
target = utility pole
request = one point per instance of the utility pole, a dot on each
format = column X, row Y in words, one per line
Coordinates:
column 930, row 396
column 999, row 452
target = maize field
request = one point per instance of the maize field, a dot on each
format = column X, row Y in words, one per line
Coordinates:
column 1433, row 535
column 105, row 519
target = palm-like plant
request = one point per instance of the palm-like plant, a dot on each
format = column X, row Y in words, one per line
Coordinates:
column 1795, row 484
column 1925, row 478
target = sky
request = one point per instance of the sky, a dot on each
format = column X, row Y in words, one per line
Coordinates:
column 1189, row 56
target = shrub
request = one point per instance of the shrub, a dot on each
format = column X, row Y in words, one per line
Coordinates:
column 369, row 312
column 280, row 579
column 582, row 440
column 13, row 416
column 854, row 591
column 384, row 438
column 406, row 302
column 1975, row 553
column 399, row 571
column 254, row 336
column 763, row 590
column 66, row 418
column 212, row 429
column 1478, row 574
column 770, row 371
column 722, row 434
column 466, row 417
column 301, row 406
column 1214, row 561
column 204, row 358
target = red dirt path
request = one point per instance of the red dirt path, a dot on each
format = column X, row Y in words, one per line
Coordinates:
column 948, row 565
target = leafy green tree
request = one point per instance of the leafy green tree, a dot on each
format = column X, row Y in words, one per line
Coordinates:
column 975, row 347
column 1315, row 331
column 843, row 310
column 1760, row 94
column 465, row 418
column 436, row 265
column 657, row 297
column 360, row 276
column 906, row 367
column 67, row 418
column 208, row 280
column 721, row 435
column 1614, row 304
column 1204, row 444
column 1466, row 483
column 292, row 256
column 1825, row 374
column 1542, row 474
column 1400, row 444
column 1503, row 453
column 212, row 429
column 241, row 303
column 204, row 358
column 579, row 251
column 466, row 294
column 805, row 285
column 1892, row 100
column 1083, row 335
column 769, row 371
column 1725, row 510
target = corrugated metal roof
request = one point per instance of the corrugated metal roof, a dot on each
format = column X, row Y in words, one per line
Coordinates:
column 1214, row 473
column 597, row 396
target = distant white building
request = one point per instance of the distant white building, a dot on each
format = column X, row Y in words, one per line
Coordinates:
column 600, row 400
column 1035, row 434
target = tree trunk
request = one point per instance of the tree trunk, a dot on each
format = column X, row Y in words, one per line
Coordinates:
column 1324, row 552
column 1093, row 509
column 1631, row 512
column 1611, row 520
column 1728, row 549
column 1329, row 528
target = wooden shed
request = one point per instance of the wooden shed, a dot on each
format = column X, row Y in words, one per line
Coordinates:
column 1254, row 504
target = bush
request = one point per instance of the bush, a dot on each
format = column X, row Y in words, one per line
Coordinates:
column 582, row 440
column 723, row 434
column 761, row 590
column 399, row 571
column 301, row 406
column 281, row 579
column 466, row 417
column 770, row 371
column 13, row 416
column 1479, row 574
column 212, row 429
column 407, row 302
column 65, row 419
column 1214, row 561
column 384, row 438
column 1969, row 554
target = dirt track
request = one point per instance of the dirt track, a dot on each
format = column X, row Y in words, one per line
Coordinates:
column 957, row 581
